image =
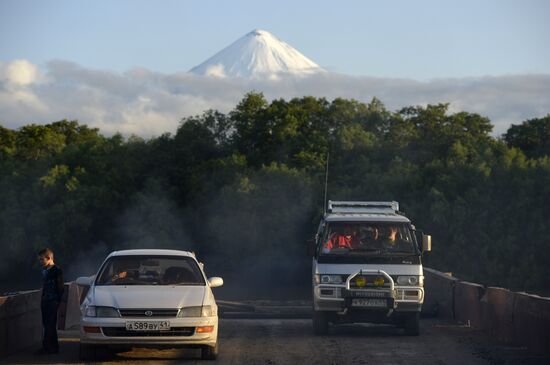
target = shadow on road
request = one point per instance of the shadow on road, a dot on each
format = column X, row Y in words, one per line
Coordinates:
column 68, row 354
column 365, row 330
column 291, row 341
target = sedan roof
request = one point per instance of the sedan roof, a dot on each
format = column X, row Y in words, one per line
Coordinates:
column 152, row 252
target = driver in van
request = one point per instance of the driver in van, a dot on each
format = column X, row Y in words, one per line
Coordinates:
column 390, row 240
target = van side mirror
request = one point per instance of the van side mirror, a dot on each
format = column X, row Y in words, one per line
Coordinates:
column 311, row 246
column 426, row 243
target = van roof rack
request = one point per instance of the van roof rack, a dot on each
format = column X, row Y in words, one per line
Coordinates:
column 363, row 207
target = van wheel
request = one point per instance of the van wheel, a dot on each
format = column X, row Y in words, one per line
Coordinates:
column 412, row 325
column 209, row 352
column 87, row 352
column 320, row 323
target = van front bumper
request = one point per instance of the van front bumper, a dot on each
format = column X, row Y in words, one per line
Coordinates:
column 341, row 299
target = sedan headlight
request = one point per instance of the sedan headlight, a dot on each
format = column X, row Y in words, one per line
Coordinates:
column 198, row 311
column 101, row 312
column 206, row 311
column 412, row 280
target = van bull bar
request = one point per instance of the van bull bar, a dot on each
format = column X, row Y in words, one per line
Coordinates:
column 379, row 295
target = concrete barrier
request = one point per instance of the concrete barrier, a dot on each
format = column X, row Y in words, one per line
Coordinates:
column 531, row 322
column 512, row 318
column 20, row 322
column 21, row 318
column 72, row 314
column 497, row 308
column 468, row 303
column 83, row 291
column 439, row 298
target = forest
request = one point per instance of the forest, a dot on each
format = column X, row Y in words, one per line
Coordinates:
column 244, row 190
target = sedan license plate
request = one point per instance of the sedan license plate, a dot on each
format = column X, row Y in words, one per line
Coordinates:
column 369, row 303
column 148, row 326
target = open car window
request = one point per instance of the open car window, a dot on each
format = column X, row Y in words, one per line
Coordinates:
column 150, row 270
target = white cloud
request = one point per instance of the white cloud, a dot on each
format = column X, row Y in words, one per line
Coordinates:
column 217, row 70
column 19, row 72
column 147, row 103
column 18, row 99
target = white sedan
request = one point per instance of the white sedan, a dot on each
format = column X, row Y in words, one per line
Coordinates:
column 150, row 297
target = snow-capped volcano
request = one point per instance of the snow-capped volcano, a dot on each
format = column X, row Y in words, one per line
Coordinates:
column 257, row 54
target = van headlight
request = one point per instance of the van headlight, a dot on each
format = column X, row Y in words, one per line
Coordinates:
column 412, row 280
column 101, row 312
column 328, row 279
column 198, row 311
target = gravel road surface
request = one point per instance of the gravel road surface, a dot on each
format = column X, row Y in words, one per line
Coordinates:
column 290, row 341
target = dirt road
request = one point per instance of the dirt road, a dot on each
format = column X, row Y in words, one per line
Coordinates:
column 290, row 341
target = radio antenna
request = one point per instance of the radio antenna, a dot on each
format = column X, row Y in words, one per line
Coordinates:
column 326, row 185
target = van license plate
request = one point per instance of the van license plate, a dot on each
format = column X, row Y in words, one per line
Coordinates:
column 370, row 303
column 148, row 326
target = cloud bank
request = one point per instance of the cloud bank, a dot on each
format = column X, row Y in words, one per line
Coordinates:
column 148, row 103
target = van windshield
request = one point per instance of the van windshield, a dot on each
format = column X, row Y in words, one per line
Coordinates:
column 368, row 238
column 150, row 270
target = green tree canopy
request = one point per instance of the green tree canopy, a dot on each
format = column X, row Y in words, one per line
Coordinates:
column 532, row 136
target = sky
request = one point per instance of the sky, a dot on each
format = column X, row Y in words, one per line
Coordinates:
column 121, row 65
column 422, row 40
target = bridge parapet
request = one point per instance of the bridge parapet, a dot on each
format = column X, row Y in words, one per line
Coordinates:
column 440, row 296
column 20, row 321
column 513, row 318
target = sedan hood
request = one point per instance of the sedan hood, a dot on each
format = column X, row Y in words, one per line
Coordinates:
column 148, row 296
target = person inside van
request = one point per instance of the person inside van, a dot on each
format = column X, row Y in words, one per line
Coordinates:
column 390, row 239
column 369, row 238
column 341, row 238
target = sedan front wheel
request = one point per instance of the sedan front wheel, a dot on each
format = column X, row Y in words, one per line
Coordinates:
column 209, row 352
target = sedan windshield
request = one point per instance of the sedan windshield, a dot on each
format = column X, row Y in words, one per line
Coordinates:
column 367, row 238
column 150, row 270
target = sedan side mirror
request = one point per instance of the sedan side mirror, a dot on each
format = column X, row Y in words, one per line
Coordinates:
column 85, row 280
column 426, row 243
column 215, row 282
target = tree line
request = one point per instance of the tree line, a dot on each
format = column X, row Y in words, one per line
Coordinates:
column 244, row 189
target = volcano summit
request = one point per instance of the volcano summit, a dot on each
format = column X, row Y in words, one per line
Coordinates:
column 258, row 54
